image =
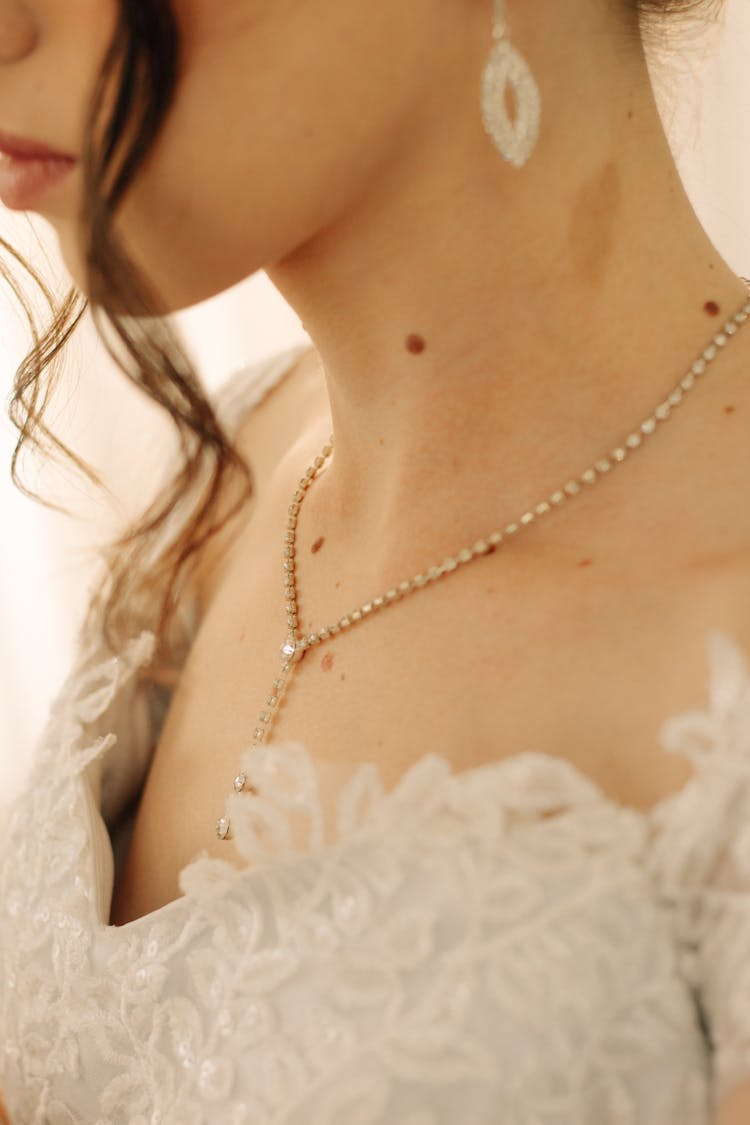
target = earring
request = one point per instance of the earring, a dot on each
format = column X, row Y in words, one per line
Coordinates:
column 516, row 138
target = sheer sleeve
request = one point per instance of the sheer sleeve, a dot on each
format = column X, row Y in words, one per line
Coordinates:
column 4, row 814
column 724, row 950
column 703, row 859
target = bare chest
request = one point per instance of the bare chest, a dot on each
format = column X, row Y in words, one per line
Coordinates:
column 583, row 662
column 475, row 668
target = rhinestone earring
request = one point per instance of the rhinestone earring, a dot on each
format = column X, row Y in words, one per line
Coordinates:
column 515, row 138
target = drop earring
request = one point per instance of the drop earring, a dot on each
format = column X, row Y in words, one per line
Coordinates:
column 515, row 138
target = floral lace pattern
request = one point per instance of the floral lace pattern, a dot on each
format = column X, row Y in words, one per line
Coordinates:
column 503, row 944
column 701, row 858
column 499, row 944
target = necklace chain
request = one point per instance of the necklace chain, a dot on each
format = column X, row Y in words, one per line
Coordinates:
column 295, row 646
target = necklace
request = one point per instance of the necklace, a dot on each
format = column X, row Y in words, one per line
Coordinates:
column 295, row 646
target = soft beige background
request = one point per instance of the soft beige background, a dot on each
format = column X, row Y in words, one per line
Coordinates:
column 46, row 559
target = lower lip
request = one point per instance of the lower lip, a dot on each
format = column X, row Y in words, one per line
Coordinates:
column 24, row 180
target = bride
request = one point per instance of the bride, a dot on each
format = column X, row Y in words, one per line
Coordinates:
column 403, row 774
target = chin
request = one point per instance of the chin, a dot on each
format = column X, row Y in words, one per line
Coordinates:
column 71, row 252
column 179, row 282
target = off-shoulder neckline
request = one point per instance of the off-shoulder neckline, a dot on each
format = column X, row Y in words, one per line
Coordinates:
column 698, row 735
column 705, row 736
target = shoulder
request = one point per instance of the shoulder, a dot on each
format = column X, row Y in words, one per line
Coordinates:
column 245, row 390
column 264, row 409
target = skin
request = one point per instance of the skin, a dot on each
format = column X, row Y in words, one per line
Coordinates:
column 557, row 293
column 513, row 321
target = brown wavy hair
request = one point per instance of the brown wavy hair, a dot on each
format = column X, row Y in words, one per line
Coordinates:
column 137, row 80
column 137, row 83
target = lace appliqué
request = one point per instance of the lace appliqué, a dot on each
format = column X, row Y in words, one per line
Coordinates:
column 702, row 856
column 474, row 946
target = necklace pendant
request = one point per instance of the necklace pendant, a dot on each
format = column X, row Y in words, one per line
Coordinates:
column 292, row 649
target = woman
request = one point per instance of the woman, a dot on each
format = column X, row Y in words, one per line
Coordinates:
column 475, row 851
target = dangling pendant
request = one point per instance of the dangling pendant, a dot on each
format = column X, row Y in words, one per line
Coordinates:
column 293, row 650
column 515, row 139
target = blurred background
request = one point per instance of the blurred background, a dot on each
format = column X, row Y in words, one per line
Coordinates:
column 47, row 559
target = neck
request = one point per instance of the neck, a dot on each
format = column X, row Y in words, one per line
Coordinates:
column 487, row 333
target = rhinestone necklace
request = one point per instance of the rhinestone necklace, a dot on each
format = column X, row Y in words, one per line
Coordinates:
column 295, row 646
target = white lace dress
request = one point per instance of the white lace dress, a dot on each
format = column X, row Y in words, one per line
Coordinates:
column 502, row 946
